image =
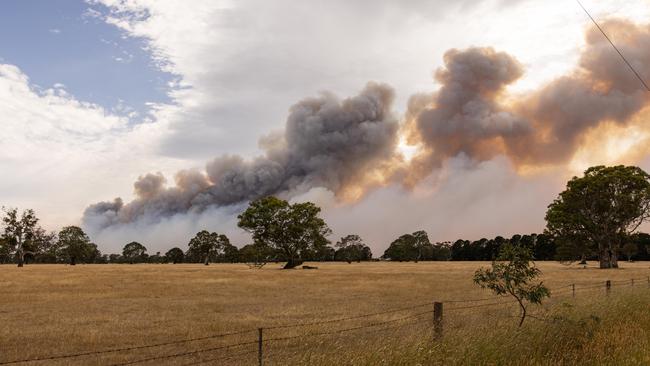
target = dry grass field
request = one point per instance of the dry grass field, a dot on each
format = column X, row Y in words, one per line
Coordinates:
column 50, row 310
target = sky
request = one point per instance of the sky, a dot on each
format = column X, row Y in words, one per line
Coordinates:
column 477, row 113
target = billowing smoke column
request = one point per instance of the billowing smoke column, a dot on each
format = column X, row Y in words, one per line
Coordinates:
column 464, row 115
column 337, row 144
column 327, row 143
column 602, row 89
column 468, row 115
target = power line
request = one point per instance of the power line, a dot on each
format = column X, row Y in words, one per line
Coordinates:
column 613, row 45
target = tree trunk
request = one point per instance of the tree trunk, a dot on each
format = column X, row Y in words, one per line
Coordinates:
column 523, row 311
column 603, row 258
column 583, row 259
column 614, row 258
column 73, row 261
column 207, row 260
column 292, row 263
column 608, row 258
column 21, row 256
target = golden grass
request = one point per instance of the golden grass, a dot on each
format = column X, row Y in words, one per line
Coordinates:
column 55, row 309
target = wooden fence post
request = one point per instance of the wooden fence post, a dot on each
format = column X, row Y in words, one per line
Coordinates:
column 259, row 347
column 608, row 286
column 437, row 320
column 573, row 289
column 632, row 281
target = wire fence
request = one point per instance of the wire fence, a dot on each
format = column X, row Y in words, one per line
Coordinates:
column 255, row 345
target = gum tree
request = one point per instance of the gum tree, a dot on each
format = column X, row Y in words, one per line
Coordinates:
column 602, row 208
column 289, row 228
column 134, row 252
column 19, row 231
column 175, row 255
column 207, row 246
column 352, row 248
column 74, row 245
column 513, row 275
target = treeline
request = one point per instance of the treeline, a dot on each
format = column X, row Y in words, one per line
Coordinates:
column 294, row 233
column 52, row 249
column 417, row 247
column 24, row 241
column 544, row 247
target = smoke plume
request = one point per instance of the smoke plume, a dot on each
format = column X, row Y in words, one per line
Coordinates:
column 470, row 115
column 327, row 143
column 347, row 146
column 464, row 116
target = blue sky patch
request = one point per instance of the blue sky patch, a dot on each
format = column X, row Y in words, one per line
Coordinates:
column 56, row 42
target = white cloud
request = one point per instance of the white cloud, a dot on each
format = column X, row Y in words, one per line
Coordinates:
column 59, row 153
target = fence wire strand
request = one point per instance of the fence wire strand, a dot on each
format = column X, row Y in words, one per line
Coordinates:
column 201, row 362
column 126, row 349
column 338, row 320
column 375, row 324
column 182, row 354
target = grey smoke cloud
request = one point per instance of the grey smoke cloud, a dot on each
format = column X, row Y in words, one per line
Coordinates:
column 327, row 143
column 464, row 116
column 334, row 144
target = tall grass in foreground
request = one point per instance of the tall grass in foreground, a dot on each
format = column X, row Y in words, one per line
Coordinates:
column 49, row 310
column 591, row 330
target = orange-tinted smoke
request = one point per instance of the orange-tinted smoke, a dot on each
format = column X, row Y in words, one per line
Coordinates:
column 545, row 127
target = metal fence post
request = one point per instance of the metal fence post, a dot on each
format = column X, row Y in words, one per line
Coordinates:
column 437, row 320
column 259, row 347
column 608, row 286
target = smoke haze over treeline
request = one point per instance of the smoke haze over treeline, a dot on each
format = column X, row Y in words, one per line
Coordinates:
column 475, row 145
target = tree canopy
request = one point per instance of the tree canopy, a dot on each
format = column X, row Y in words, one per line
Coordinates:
column 601, row 209
column 415, row 247
column 206, row 247
column 291, row 228
column 352, row 248
column 512, row 274
column 257, row 255
column 19, row 231
column 75, row 245
column 134, row 252
column 175, row 255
